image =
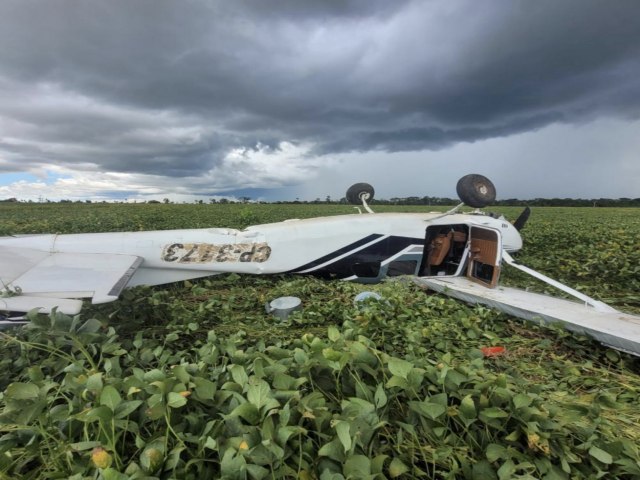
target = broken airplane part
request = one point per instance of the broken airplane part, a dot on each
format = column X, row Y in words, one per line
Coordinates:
column 448, row 252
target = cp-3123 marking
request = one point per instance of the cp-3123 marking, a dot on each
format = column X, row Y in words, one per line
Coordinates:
column 209, row 253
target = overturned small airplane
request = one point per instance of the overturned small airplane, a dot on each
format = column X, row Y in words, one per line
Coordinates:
column 458, row 254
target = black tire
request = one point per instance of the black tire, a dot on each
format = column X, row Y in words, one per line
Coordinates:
column 476, row 190
column 359, row 191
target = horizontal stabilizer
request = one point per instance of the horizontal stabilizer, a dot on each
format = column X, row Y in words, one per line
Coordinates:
column 100, row 277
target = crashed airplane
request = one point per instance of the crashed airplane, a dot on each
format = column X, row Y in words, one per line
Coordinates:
column 457, row 254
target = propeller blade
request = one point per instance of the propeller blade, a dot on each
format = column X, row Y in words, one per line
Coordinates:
column 522, row 219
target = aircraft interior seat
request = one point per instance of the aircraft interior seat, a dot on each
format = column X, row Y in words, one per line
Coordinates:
column 441, row 246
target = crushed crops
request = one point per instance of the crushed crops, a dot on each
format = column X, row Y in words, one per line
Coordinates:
column 195, row 380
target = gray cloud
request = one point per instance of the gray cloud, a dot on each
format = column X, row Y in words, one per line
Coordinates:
column 170, row 88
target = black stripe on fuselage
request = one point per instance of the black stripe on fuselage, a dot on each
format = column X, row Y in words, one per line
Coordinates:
column 375, row 253
column 337, row 253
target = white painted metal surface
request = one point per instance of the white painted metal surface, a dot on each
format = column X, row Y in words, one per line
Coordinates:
column 353, row 247
column 99, row 265
column 67, row 275
column 24, row 303
column 613, row 328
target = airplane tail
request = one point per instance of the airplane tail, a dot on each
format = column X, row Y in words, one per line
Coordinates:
column 522, row 219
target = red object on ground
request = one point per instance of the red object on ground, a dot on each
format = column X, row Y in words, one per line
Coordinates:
column 492, row 351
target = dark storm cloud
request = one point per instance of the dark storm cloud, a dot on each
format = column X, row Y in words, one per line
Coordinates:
column 169, row 88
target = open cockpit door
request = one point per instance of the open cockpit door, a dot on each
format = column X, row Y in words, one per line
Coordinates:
column 485, row 254
column 463, row 250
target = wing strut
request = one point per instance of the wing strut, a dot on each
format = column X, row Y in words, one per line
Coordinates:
column 600, row 306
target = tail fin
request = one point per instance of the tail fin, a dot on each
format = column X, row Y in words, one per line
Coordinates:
column 522, row 219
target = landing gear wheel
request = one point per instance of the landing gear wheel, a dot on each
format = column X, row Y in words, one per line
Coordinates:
column 358, row 192
column 476, row 190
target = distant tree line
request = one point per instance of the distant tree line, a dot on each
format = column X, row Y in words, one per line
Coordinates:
column 514, row 202
column 508, row 202
column 427, row 201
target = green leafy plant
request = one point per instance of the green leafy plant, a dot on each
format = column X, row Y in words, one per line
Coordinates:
column 195, row 380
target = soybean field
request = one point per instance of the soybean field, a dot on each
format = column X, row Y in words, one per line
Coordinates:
column 194, row 380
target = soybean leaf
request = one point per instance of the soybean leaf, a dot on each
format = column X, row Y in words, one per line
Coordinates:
column 248, row 411
column 113, row 474
column 494, row 412
column 522, row 400
column 342, row 429
column 81, row 446
column 380, row 397
column 124, row 409
column 175, row 400
column 377, row 464
column 90, row 326
column 333, row 334
column 258, row 392
column 22, row 391
column 495, row 451
column 428, row 409
column 333, row 450
column 239, row 375
column 506, row 471
column 601, row 455
column 257, row 472
column 205, row 389
column 397, row 468
column 94, row 382
column 357, row 466
column 110, row 397
column 400, row 367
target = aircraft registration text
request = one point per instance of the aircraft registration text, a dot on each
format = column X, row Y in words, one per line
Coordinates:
column 210, row 253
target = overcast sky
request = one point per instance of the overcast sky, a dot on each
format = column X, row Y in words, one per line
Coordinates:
column 279, row 99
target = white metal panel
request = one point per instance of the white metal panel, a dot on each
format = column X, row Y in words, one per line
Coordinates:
column 616, row 329
column 68, row 275
column 160, row 276
column 43, row 305
column 16, row 261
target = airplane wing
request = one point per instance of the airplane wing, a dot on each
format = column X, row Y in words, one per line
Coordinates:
column 612, row 328
column 36, row 279
column 589, row 316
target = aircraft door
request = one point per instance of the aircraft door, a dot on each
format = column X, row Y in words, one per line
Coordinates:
column 484, row 256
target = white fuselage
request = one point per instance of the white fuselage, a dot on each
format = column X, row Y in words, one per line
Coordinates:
column 172, row 255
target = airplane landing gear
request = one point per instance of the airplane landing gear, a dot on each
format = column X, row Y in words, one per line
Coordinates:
column 476, row 191
column 359, row 192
